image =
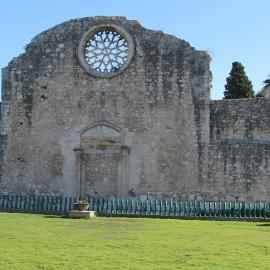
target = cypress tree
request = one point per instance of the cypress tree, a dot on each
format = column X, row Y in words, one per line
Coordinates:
column 238, row 85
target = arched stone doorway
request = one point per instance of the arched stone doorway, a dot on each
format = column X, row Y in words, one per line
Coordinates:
column 102, row 162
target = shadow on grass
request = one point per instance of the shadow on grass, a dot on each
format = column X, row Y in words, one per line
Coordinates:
column 66, row 217
column 264, row 225
column 53, row 216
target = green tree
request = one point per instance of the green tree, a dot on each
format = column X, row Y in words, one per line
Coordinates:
column 266, row 85
column 259, row 94
column 238, row 85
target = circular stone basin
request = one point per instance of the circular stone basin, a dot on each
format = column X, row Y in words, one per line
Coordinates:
column 82, row 206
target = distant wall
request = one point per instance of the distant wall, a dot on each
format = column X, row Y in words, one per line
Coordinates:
column 238, row 157
column 239, row 171
column 240, row 119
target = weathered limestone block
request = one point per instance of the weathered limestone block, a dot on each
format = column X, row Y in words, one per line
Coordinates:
column 159, row 197
column 230, row 198
column 150, row 197
column 143, row 197
column 183, row 197
column 191, row 197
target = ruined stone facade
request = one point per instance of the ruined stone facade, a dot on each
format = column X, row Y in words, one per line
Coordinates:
column 102, row 107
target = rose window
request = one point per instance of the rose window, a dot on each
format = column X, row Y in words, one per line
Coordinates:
column 106, row 51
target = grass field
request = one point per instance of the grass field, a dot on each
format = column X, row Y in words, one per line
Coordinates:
column 57, row 242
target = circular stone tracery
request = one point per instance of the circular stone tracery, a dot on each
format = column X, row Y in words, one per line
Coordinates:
column 105, row 49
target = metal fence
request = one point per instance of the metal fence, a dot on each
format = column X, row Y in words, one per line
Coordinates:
column 151, row 208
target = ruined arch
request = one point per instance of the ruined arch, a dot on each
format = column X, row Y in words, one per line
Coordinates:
column 102, row 123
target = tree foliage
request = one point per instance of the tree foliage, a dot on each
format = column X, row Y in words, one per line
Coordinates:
column 259, row 94
column 238, row 85
column 266, row 85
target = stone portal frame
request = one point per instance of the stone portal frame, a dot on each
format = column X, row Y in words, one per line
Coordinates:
column 120, row 150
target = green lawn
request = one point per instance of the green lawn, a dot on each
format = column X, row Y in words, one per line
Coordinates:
column 57, row 242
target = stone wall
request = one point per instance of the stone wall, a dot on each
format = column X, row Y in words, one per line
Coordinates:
column 239, row 171
column 101, row 175
column 149, row 131
column 156, row 113
column 238, row 168
column 240, row 119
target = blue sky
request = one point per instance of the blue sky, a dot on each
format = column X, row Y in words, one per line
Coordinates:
column 232, row 30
